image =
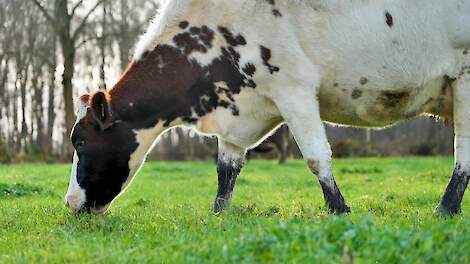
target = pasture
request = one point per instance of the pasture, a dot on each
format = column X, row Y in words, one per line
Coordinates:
column 277, row 215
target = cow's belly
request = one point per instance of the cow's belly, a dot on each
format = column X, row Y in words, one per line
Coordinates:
column 372, row 106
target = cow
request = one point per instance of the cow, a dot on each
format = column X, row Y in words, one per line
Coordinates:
column 240, row 69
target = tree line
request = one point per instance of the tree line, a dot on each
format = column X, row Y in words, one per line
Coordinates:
column 52, row 50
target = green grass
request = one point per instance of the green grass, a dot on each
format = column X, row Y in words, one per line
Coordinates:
column 277, row 215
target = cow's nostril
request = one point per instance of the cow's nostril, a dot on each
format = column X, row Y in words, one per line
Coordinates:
column 67, row 204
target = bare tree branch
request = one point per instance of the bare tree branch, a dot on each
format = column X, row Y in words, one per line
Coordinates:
column 82, row 25
column 85, row 41
column 74, row 9
column 93, row 38
column 44, row 12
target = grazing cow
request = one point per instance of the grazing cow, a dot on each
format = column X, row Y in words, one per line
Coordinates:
column 238, row 69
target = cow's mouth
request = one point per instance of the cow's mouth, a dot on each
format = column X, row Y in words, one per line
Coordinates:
column 98, row 209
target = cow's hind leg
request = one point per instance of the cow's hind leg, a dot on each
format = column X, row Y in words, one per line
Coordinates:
column 301, row 112
column 451, row 202
column 229, row 164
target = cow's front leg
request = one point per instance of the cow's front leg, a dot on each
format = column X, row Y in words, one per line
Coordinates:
column 300, row 109
column 451, row 202
column 229, row 164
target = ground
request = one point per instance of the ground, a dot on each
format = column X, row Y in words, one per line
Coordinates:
column 278, row 215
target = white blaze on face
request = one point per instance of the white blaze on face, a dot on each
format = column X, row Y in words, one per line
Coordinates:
column 75, row 197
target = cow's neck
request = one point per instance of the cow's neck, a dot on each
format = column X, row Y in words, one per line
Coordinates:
column 150, row 89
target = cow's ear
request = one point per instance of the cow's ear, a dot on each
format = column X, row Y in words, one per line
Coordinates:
column 85, row 99
column 82, row 105
column 101, row 111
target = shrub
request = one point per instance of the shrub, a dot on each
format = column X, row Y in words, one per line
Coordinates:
column 347, row 148
column 6, row 153
column 422, row 150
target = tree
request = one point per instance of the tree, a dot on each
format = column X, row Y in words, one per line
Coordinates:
column 60, row 19
column 128, row 23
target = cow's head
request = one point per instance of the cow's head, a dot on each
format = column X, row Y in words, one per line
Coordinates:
column 103, row 149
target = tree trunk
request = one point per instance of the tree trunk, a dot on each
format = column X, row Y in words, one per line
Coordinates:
column 24, row 126
column 3, row 93
column 102, row 84
column 68, row 52
column 50, row 111
column 15, row 118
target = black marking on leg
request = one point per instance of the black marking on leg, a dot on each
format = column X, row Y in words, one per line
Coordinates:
column 227, row 176
column 334, row 199
column 452, row 199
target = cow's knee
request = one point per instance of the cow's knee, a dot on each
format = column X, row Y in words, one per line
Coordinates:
column 229, row 164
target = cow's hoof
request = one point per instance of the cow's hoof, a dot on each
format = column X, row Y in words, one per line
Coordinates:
column 344, row 209
column 445, row 212
column 221, row 204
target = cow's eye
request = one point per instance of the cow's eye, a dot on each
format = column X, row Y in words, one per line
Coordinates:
column 80, row 144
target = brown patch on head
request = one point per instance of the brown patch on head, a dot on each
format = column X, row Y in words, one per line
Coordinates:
column 356, row 94
column 314, row 166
